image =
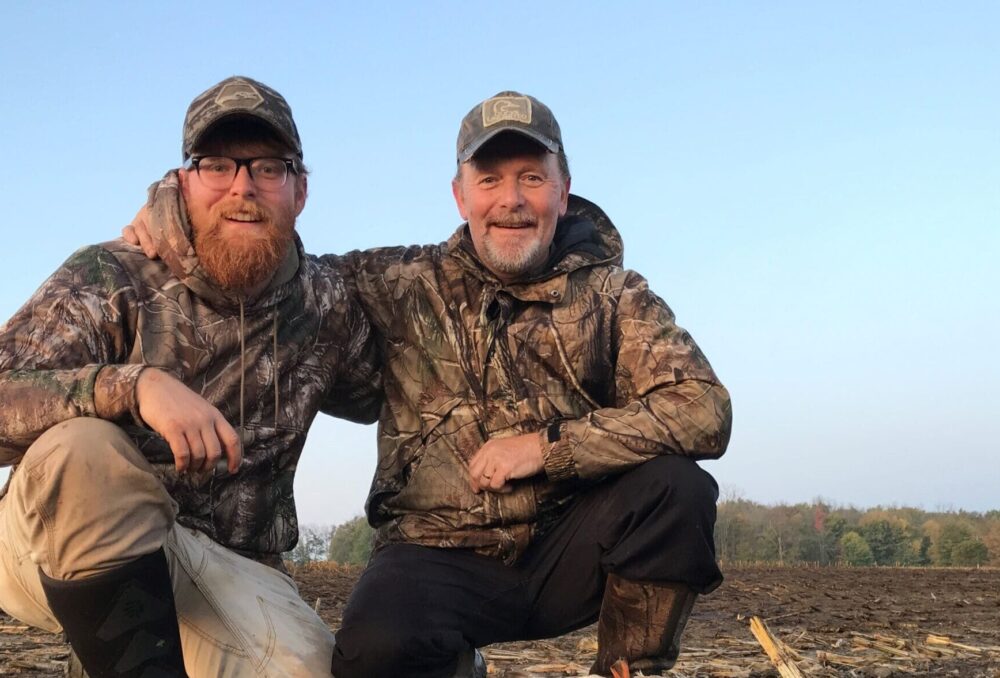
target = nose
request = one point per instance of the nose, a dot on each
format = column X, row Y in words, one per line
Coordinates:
column 511, row 196
column 243, row 185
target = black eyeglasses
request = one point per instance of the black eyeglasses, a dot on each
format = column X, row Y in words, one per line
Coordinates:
column 219, row 171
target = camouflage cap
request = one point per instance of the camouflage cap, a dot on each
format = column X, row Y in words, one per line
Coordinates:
column 239, row 95
column 508, row 112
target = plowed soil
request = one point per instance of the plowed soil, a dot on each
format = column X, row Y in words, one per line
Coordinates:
column 854, row 622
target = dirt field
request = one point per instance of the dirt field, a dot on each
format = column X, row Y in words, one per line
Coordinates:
column 834, row 622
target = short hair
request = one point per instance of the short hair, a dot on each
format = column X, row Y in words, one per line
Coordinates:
column 509, row 145
column 241, row 129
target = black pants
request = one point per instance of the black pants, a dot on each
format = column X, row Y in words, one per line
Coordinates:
column 416, row 608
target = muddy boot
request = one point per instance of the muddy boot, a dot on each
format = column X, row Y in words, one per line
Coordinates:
column 121, row 623
column 641, row 623
column 471, row 665
column 74, row 669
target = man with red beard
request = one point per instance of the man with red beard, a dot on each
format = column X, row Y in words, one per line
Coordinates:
column 154, row 411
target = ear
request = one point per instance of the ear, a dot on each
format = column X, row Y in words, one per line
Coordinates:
column 301, row 193
column 564, row 199
column 182, row 179
column 456, row 190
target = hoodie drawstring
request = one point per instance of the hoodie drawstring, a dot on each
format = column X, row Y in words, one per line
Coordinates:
column 243, row 366
column 274, row 367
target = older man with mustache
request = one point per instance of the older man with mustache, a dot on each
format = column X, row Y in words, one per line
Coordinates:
column 543, row 417
column 155, row 411
column 538, row 443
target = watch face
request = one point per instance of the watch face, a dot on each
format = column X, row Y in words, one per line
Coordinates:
column 554, row 431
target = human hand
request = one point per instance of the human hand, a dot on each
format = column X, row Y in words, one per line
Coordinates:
column 501, row 460
column 136, row 233
column 196, row 431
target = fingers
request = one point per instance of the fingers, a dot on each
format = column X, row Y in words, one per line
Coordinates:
column 136, row 233
column 146, row 243
column 128, row 234
column 476, row 467
column 501, row 460
column 189, row 448
column 480, row 477
column 179, row 447
column 489, row 470
column 487, row 475
column 212, row 442
column 196, row 446
column 231, row 444
column 196, row 431
column 496, row 481
column 201, row 449
column 493, row 467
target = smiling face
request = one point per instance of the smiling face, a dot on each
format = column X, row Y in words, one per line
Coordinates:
column 512, row 193
column 242, row 233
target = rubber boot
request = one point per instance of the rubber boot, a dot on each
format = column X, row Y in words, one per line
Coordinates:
column 121, row 623
column 471, row 665
column 74, row 669
column 641, row 623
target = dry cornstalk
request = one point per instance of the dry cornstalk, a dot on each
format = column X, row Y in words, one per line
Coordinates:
column 561, row 668
column 774, row 648
column 824, row 657
column 890, row 640
column 945, row 640
column 504, row 655
column 882, row 647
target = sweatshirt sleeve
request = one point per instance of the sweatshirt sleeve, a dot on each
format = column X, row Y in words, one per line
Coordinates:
column 357, row 391
column 668, row 399
column 378, row 279
column 62, row 354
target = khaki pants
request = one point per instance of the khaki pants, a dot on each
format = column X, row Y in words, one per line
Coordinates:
column 84, row 500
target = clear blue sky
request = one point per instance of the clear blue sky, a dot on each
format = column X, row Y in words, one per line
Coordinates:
column 814, row 188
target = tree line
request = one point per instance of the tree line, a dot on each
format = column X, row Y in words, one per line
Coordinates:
column 822, row 534
column 817, row 533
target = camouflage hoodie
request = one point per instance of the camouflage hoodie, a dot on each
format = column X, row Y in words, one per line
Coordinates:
column 109, row 311
column 584, row 348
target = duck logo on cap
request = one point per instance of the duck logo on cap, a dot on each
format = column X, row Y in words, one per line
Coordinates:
column 500, row 109
column 241, row 94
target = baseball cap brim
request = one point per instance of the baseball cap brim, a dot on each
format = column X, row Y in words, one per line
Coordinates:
column 473, row 147
column 209, row 123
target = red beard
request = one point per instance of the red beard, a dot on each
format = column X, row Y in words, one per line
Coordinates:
column 242, row 262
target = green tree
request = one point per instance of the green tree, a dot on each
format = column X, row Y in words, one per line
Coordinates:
column 887, row 542
column 836, row 527
column 855, row 550
column 351, row 542
column 812, row 533
column 952, row 534
column 732, row 534
column 311, row 547
column 924, row 552
column 970, row 553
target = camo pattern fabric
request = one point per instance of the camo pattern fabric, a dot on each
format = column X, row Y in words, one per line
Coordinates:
column 235, row 96
column 586, row 346
column 108, row 312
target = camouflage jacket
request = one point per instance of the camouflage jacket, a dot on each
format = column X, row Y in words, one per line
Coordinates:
column 585, row 348
column 109, row 311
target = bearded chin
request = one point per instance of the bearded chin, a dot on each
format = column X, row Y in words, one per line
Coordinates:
column 241, row 263
column 514, row 262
